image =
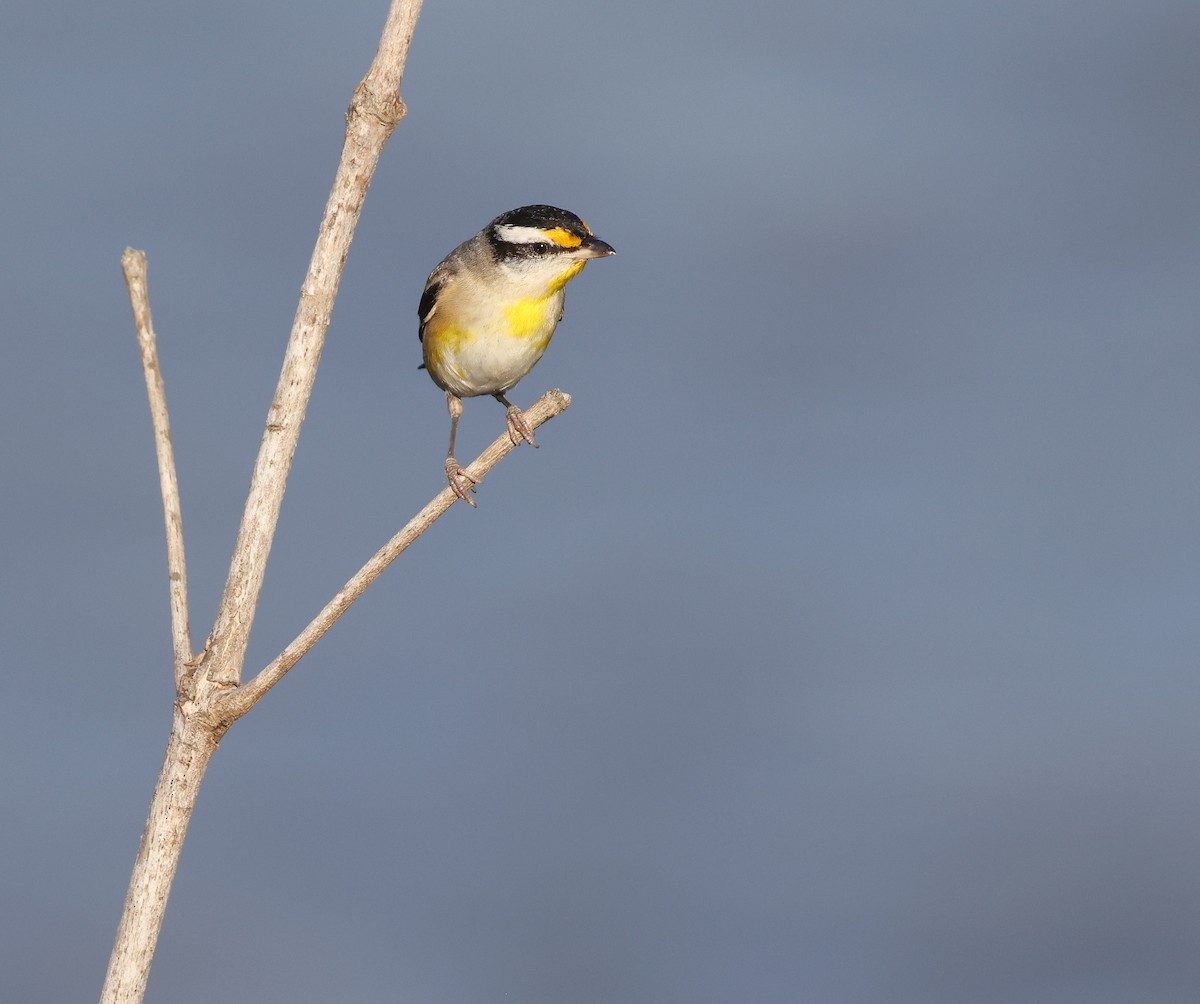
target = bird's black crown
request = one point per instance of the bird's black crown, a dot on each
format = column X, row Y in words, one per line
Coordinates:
column 544, row 218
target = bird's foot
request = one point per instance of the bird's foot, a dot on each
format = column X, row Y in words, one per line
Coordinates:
column 460, row 481
column 518, row 427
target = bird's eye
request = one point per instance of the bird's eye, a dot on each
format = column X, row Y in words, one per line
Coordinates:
column 541, row 247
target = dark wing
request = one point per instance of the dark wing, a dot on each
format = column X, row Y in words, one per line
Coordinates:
column 425, row 308
column 436, row 283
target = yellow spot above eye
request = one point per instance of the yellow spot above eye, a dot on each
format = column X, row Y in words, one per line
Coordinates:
column 563, row 238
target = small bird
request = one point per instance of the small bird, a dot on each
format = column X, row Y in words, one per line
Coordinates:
column 491, row 306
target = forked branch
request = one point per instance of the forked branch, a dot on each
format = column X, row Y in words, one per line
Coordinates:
column 208, row 696
column 373, row 114
column 197, row 725
column 235, row 703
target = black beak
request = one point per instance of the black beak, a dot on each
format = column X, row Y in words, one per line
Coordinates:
column 594, row 247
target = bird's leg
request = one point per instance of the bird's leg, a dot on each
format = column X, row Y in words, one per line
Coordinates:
column 518, row 428
column 460, row 481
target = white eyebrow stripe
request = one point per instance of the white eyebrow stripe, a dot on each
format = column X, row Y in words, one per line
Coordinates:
column 521, row 235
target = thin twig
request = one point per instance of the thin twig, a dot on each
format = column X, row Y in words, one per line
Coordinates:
column 133, row 263
column 374, row 111
column 235, row 703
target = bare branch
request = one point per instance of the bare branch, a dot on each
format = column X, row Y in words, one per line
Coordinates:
column 373, row 113
column 235, row 703
column 133, row 263
column 195, row 731
column 189, row 749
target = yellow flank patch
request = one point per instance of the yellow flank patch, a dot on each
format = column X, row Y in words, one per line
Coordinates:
column 563, row 238
column 526, row 317
column 440, row 342
column 442, row 338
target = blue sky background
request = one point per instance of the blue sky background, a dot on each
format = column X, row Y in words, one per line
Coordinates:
column 840, row 643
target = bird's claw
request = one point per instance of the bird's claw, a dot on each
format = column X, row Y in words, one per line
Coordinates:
column 461, row 483
column 519, row 428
